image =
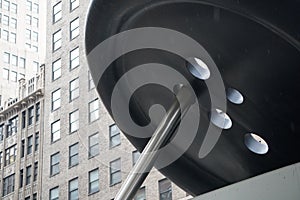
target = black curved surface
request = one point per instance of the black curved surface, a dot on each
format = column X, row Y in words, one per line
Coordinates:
column 255, row 45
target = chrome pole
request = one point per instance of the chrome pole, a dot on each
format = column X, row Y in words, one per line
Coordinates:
column 161, row 136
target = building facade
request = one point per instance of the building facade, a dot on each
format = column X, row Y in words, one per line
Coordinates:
column 22, row 43
column 85, row 156
column 21, row 132
column 57, row 140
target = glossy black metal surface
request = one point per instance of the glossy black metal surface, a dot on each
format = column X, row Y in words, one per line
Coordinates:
column 255, row 45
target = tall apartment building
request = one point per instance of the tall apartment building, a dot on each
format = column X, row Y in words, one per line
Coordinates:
column 21, row 130
column 22, row 43
column 85, row 156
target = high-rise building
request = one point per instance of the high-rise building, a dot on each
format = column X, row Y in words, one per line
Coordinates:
column 21, row 133
column 85, row 156
column 57, row 140
column 22, row 43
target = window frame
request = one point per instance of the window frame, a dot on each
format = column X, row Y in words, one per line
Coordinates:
column 56, row 100
column 56, row 68
column 29, row 145
column 74, row 28
column 54, row 165
column 35, row 171
column 72, row 190
column 28, row 175
column 135, row 156
column 169, row 190
column 76, row 5
column 53, row 190
column 74, row 121
column 115, row 171
column 74, row 93
column 96, row 110
column 94, row 143
column 30, row 115
column 74, row 58
column 73, row 154
column 91, row 182
column 59, row 12
column 57, row 40
column 8, row 185
column 54, row 132
column 112, row 135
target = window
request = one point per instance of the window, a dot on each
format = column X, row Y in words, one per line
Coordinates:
column 54, row 193
column 1, row 131
column 74, row 58
column 13, row 76
column 8, row 185
column 13, row 23
column 14, row 8
column 27, row 198
column 28, row 175
column 73, row 155
column 12, row 127
column 56, row 69
column 5, row 20
column 23, row 119
column 93, row 181
column 91, row 82
column 13, row 38
column 29, row 144
column 73, row 189
column 1, row 159
column 14, row 60
column 34, row 197
column 6, row 57
column 35, row 171
column 28, row 5
column 57, row 13
column 93, row 145
column 5, row 74
column 28, row 34
column 54, row 167
column 56, row 99
column 28, row 46
column 74, row 121
column 37, row 111
column 141, row 194
column 56, row 38
column 34, row 48
column 35, row 36
column 28, row 19
column 114, row 136
column 74, row 4
column 36, row 141
column 10, row 155
column 22, row 62
column 165, row 189
column 74, row 28
column 30, row 115
column 35, row 8
column 115, row 172
column 5, row 5
column 35, row 22
column 74, row 89
column 22, row 148
column 21, row 178
column 55, row 131
column 5, row 35
column 93, row 110
column 135, row 156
